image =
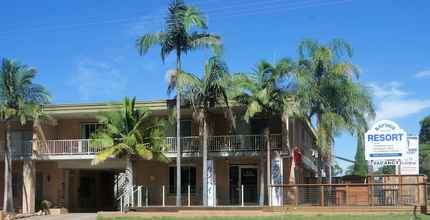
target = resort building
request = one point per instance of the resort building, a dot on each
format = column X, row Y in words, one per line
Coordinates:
column 52, row 161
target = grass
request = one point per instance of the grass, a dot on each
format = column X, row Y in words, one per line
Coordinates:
column 291, row 217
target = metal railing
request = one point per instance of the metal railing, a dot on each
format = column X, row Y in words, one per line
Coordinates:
column 67, row 147
column 193, row 144
column 338, row 195
column 157, row 196
column 226, row 143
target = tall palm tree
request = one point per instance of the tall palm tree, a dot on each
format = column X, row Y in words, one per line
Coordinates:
column 259, row 91
column 129, row 133
column 328, row 89
column 205, row 93
column 180, row 35
column 20, row 100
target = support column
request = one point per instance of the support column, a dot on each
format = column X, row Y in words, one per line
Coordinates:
column 211, row 183
column 66, row 188
column 277, row 179
column 28, row 187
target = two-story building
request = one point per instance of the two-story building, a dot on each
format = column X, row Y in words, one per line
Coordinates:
column 52, row 161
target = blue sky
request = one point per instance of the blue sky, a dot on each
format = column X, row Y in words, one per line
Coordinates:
column 84, row 50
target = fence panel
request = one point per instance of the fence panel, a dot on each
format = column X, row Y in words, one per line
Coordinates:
column 338, row 195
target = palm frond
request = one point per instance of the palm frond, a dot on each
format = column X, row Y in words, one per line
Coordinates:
column 206, row 40
column 192, row 16
column 148, row 40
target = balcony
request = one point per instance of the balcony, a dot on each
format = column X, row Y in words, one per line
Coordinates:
column 225, row 143
column 190, row 145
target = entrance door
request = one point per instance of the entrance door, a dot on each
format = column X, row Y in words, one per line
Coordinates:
column 39, row 190
column 87, row 192
column 248, row 177
column 249, row 181
column 234, row 185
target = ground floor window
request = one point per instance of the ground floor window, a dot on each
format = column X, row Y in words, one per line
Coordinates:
column 188, row 178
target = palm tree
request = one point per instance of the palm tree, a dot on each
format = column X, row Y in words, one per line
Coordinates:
column 179, row 35
column 260, row 92
column 328, row 89
column 205, row 93
column 130, row 134
column 20, row 100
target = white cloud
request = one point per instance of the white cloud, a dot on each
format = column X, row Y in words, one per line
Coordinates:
column 387, row 90
column 392, row 109
column 96, row 80
column 423, row 73
column 392, row 101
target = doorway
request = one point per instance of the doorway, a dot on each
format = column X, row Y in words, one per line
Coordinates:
column 248, row 177
column 91, row 190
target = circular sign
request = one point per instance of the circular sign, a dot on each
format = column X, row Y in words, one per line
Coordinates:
column 385, row 141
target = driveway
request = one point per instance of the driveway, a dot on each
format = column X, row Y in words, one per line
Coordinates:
column 73, row 216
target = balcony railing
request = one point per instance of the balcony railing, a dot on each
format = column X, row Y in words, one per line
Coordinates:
column 226, row 143
column 67, row 147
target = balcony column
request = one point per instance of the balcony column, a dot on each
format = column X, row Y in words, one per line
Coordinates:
column 28, row 186
column 66, row 188
column 277, row 179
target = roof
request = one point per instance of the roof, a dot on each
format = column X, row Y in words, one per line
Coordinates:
column 92, row 108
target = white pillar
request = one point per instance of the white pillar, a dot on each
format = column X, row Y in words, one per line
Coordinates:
column 211, row 183
column 277, row 179
column 28, row 186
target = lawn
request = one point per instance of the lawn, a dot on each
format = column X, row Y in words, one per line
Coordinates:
column 293, row 217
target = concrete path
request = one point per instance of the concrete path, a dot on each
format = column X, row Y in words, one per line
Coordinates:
column 73, row 216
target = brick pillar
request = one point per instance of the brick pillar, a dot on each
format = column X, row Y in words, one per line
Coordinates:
column 28, row 186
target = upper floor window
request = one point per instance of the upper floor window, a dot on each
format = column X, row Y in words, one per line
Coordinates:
column 186, row 129
column 186, row 126
column 88, row 129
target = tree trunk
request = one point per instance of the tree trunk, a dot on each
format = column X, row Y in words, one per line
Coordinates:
column 8, row 197
column 322, row 164
column 205, row 160
column 262, row 189
column 129, row 171
column 178, row 131
column 268, row 168
column 286, row 141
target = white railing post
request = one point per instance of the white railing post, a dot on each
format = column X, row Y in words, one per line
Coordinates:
column 163, row 193
column 146, row 197
column 121, row 209
column 242, row 196
column 80, row 143
column 189, row 196
column 132, row 196
column 139, row 196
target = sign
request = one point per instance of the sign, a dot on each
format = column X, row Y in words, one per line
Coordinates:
column 385, row 141
column 410, row 161
column 277, row 179
column 211, row 183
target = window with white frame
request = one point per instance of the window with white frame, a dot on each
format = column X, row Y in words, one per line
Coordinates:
column 88, row 129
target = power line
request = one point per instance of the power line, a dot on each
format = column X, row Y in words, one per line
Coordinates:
column 224, row 12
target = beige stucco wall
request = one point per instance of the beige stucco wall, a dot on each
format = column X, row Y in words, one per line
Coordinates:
column 156, row 174
column 53, row 181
